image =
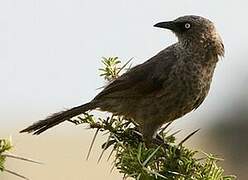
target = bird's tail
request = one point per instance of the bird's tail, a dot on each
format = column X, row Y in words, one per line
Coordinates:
column 57, row 118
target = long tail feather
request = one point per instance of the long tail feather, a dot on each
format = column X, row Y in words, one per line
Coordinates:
column 57, row 118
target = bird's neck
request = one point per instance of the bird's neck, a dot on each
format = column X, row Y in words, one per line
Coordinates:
column 208, row 50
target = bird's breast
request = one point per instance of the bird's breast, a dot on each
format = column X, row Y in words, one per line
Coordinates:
column 191, row 82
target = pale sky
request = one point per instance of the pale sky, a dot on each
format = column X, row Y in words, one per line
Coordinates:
column 50, row 50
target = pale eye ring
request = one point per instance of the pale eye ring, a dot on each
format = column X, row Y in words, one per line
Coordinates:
column 187, row 25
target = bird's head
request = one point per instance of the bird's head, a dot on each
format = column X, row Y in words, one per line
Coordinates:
column 195, row 31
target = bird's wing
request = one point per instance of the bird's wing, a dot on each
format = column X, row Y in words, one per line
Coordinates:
column 141, row 80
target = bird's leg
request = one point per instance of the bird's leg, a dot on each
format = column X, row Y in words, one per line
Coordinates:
column 150, row 136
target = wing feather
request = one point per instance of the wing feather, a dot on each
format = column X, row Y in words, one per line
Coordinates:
column 141, row 80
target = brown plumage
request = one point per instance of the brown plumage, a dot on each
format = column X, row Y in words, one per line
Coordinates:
column 162, row 89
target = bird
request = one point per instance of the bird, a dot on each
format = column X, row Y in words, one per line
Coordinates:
column 164, row 88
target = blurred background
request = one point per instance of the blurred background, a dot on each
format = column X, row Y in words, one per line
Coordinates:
column 50, row 52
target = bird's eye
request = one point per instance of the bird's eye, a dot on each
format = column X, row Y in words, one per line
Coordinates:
column 187, row 25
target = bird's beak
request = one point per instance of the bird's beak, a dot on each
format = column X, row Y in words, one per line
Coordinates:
column 167, row 25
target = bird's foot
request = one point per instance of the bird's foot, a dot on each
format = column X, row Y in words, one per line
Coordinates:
column 155, row 141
